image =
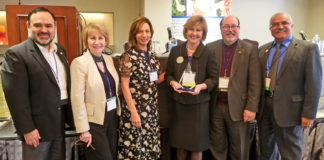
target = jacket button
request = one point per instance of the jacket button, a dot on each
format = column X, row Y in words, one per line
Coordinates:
column 59, row 108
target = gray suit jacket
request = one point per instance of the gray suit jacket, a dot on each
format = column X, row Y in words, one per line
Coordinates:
column 298, row 84
column 31, row 91
column 245, row 81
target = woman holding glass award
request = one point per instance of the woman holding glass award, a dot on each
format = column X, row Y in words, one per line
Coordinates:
column 192, row 74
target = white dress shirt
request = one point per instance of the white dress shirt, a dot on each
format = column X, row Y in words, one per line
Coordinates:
column 56, row 66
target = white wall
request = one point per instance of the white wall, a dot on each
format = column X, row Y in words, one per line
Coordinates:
column 159, row 13
column 253, row 14
column 315, row 21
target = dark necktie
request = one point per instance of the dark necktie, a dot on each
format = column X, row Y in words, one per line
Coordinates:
column 274, row 66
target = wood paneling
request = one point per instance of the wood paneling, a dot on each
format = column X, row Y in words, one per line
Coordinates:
column 67, row 20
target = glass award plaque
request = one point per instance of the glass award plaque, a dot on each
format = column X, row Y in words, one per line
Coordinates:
column 187, row 80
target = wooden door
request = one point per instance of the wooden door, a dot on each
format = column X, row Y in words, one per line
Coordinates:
column 67, row 21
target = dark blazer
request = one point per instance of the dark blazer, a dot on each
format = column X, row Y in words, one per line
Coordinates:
column 203, row 63
column 298, row 84
column 31, row 90
column 244, row 82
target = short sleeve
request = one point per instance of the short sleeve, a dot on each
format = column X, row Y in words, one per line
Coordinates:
column 125, row 65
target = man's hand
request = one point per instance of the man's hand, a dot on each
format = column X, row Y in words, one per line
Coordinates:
column 305, row 122
column 248, row 115
column 32, row 138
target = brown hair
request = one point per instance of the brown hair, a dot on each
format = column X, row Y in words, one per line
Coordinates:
column 39, row 9
column 93, row 26
column 196, row 20
column 137, row 23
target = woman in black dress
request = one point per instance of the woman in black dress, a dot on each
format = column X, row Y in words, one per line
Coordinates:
column 139, row 129
column 191, row 64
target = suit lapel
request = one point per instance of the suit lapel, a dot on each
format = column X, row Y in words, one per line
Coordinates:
column 111, row 69
column 198, row 51
column 264, row 57
column 94, row 76
column 288, row 56
column 183, row 53
column 34, row 50
column 61, row 54
column 219, row 53
column 237, row 58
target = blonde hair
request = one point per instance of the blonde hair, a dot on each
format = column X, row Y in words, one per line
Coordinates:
column 90, row 28
column 196, row 20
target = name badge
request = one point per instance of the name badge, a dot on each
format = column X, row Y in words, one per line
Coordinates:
column 111, row 103
column 267, row 83
column 223, row 82
column 153, row 76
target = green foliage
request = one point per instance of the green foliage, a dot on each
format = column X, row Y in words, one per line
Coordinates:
column 175, row 12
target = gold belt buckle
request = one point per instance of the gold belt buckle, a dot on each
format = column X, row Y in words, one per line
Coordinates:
column 223, row 89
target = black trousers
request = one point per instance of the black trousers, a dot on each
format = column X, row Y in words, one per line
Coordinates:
column 104, row 138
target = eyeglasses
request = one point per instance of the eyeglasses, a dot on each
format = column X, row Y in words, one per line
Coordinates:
column 227, row 27
column 83, row 144
column 283, row 23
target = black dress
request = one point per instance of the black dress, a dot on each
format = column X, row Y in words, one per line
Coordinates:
column 144, row 142
column 189, row 126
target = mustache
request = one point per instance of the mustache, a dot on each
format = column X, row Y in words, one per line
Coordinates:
column 280, row 30
column 230, row 32
column 43, row 33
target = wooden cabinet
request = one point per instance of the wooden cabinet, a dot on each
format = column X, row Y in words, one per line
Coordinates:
column 68, row 23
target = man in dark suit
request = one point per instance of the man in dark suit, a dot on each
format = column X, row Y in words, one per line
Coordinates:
column 35, row 79
column 292, row 76
column 237, row 95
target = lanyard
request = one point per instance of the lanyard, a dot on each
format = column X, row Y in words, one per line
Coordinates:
column 55, row 73
column 189, row 59
column 105, row 74
column 226, row 63
column 148, row 58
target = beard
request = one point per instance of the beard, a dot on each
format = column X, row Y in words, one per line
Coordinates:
column 38, row 40
column 43, row 44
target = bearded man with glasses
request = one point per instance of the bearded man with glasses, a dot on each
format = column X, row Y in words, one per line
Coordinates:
column 236, row 98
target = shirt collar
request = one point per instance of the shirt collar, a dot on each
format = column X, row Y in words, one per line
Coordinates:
column 53, row 48
column 230, row 46
column 285, row 43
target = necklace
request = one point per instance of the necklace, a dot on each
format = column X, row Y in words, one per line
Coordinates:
column 190, row 51
column 97, row 58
